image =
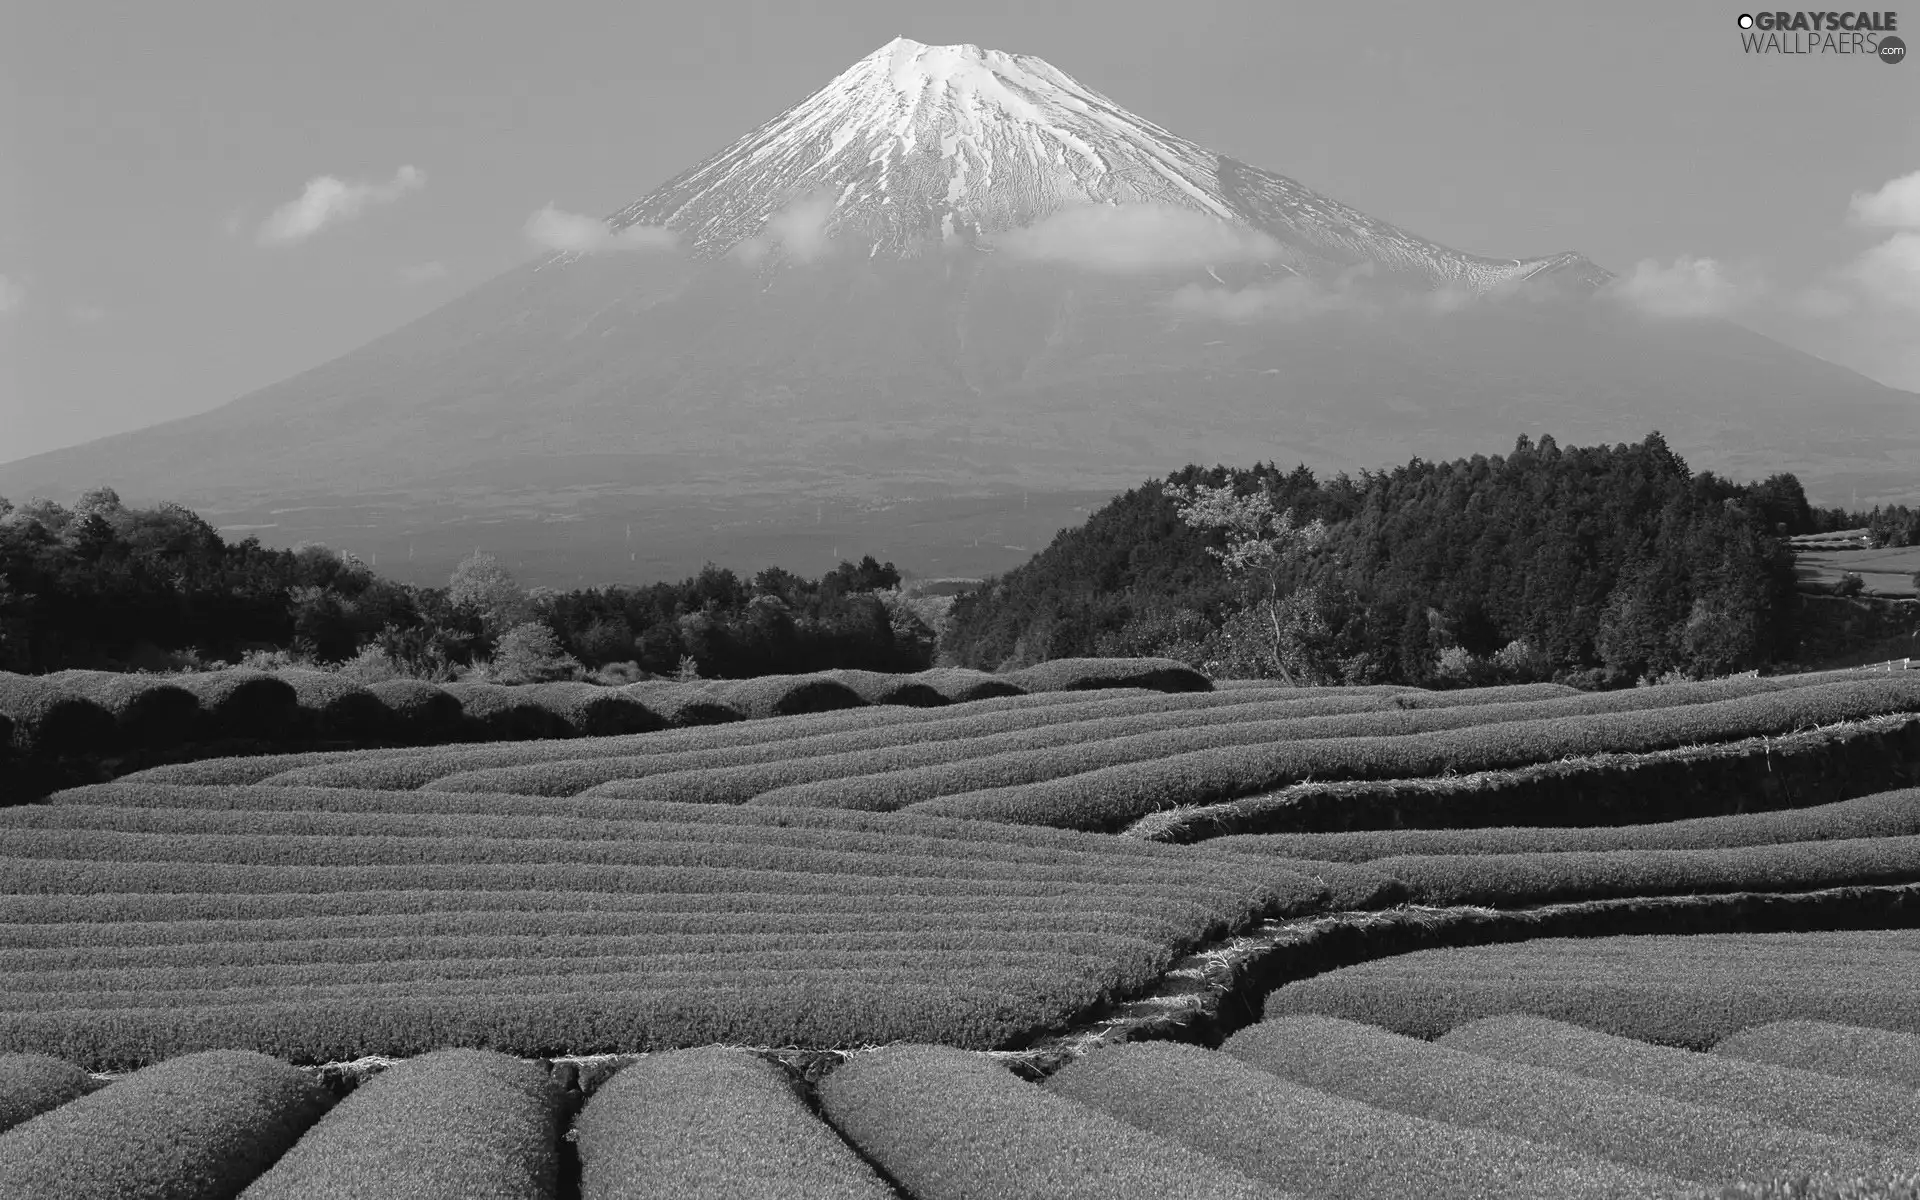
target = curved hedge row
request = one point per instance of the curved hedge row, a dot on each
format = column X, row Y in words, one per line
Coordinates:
column 202, row 1125
column 949, row 1125
column 1626, row 1125
column 712, row 1124
column 1851, row 1051
column 143, row 919
column 1321, row 1144
column 448, row 1125
column 1111, row 797
column 1674, row 990
column 31, row 1084
column 1881, row 815
column 1796, row 1098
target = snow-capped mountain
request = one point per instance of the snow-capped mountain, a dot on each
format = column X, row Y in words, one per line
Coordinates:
column 916, row 147
column 952, row 276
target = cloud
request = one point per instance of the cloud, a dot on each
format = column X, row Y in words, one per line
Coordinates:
column 86, row 314
column 1285, row 300
column 1896, row 205
column 329, row 201
column 13, row 294
column 1137, row 237
column 575, row 233
column 425, row 272
column 799, row 229
column 1889, row 274
column 1687, row 287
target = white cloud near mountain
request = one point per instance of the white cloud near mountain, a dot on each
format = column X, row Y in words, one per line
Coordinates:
column 1894, row 205
column 576, row 233
column 1127, row 238
column 1689, row 286
column 1889, row 273
column 13, row 294
column 328, row 200
column 799, row 229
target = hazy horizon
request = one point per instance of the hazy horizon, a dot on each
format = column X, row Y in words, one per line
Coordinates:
column 198, row 204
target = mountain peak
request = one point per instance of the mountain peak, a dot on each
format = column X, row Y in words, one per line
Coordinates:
column 917, row 147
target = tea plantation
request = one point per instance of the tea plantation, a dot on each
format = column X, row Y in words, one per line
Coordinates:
column 1093, row 930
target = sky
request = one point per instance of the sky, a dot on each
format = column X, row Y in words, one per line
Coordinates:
column 197, row 200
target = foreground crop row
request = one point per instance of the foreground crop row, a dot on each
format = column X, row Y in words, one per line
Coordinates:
column 140, row 921
column 1511, row 1108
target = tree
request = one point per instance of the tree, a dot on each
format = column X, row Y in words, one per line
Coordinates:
column 529, row 653
column 481, row 582
column 1262, row 548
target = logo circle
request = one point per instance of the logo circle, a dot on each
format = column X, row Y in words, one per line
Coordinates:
column 1746, row 20
column 1892, row 50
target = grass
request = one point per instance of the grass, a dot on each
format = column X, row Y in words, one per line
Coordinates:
column 948, row 1125
column 246, row 704
column 1876, row 1112
column 1654, row 1133
column 1883, row 814
column 1688, row 991
column 450, row 1125
column 423, row 712
column 713, row 1124
column 31, row 1084
column 202, row 1125
column 682, row 705
column 1852, row 1051
column 1321, row 1144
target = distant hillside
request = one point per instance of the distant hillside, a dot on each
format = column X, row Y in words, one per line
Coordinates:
column 1601, row 565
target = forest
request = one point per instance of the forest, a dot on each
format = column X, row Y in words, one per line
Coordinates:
column 104, row 585
column 1600, row 566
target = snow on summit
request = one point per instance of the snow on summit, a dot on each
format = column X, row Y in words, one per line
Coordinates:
column 916, row 147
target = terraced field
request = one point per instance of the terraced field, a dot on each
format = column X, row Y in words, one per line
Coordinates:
column 1506, row 942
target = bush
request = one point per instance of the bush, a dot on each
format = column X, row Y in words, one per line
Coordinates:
column 530, row 653
column 240, row 703
column 495, row 712
column 683, row 705
column 950, row 1125
column 52, row 721
column 453, row 1124
column 961, row 685
column 1675, row 990
column 1083, row 674
column 1799, row 1099
column 422, row 712
column 148, row 710
column 335, row 708
column 786, row 695
column 203, row 1125
column 1853, row 1051
column 31, row 1084
column 1318, row 1144
column 712, row 1124
column 1636, row 1128
column 591, row 711
column 876, row 687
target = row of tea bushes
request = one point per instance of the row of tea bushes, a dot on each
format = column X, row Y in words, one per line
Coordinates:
column 140, row 920
column 1685, row 990
column 86, row 713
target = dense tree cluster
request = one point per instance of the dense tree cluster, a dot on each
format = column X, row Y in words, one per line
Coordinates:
column 102, row 584
column 1600, row 564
